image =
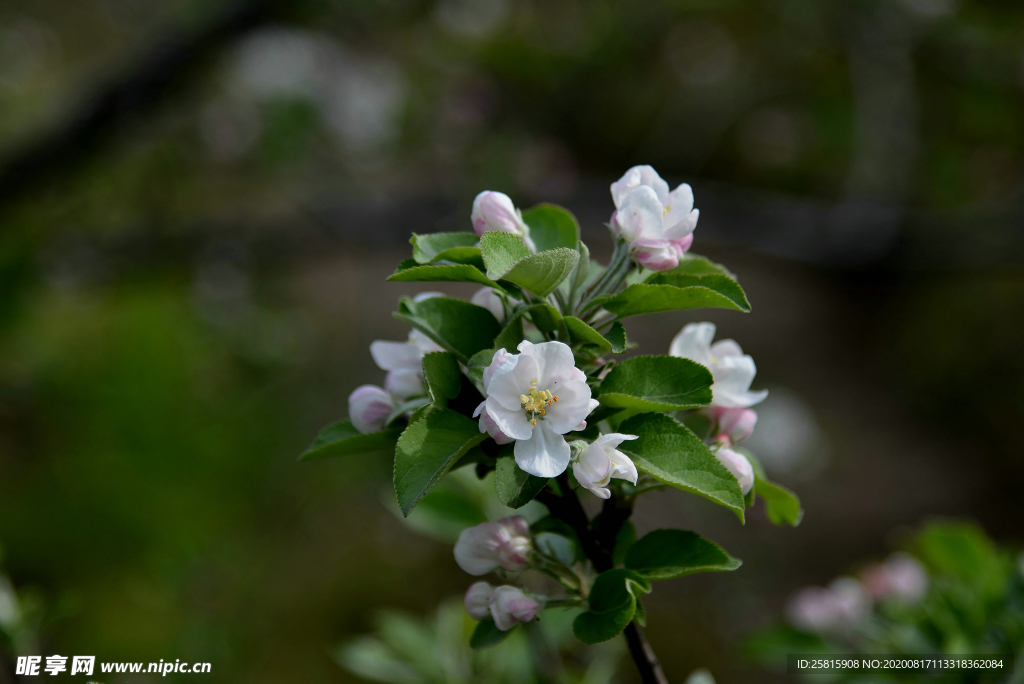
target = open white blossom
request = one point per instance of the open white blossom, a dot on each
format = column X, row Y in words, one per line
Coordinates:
column 657, row 224
column 494, row 211
column 369, row 407
column 488, row 546
column 733, row 371
column 478, row 600
column 404, row 363
column 601, row 461
column 510, row 606
column 737, row 464
column 535, row 397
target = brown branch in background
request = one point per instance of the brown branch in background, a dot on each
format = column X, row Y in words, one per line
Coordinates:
column 164, row 70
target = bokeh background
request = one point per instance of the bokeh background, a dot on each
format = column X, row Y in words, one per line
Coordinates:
column 199, row 203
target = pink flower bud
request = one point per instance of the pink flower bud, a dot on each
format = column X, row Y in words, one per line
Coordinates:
column 739, row 466
column 510, row 606
column 503, row 544
column 731, row 425
column 369, row 407
column 494, row 211
column 683, row 245
column 478, row 600
column 655, row 253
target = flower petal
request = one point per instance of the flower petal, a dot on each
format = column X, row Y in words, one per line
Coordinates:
column 393, row 355
column 515, row 424
column 694, row 342
column 733, row 376
column 554, row 361
column 545, row 454
column 640, row 215
column 573, row 405
column 512, row 380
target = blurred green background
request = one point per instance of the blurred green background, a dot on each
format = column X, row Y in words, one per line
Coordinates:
column 199, row 203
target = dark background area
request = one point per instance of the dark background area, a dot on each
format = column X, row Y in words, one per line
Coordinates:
column 199, row 203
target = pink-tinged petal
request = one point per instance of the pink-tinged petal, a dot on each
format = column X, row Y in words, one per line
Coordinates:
column 497, row 361
column 514, row 424
column 478, row 600
column 488, row 425
column 731, row 425
column 512, row 380
column 394, row 355
column 403, row 383
column 494, row 211
column 655, row 253
column 694, row 342
column 737, row 464
column 640, row 215
column 511, row 606
column 476, row 550
column 369, row 407
column 682, row 246
column 544, row 454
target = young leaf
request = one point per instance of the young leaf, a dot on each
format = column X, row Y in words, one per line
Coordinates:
column 478, row 363
column 616, row 335
column 664, row 554
column 672, row 454
column 781, row 505
column 721, row 284
column 442, row 273
column 443, row 376
column 342, row 439
column 486, row 634
column 656, row 383
column 612, row 605
column 507, row 258
column 458, row 326
column 516, row 487
column 551, row 226
column 426, row 451
column 582, row 334
column 432, row 247
column 713, row 291
column 695, row 264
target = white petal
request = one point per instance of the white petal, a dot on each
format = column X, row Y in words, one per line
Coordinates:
column 613, row 439
column 680, row 216
column 369, row 407
column 737, row 464
column 724, row 348
column 733, row 376
column 515, row 424
column 623, row 467
column 694, row 342
column 621, row 187
column 512, row 380
column 640, row 215
column 497, row 361
column 545, row 454
column 554, row 362
column 573, row 405
column 393, row 355
column 403, row 383
column 490, row 300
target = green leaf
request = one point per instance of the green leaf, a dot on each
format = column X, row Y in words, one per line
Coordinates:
column 612, row 605
column 516, row 487
column 342, row 439
column 544, row 316
column 478, row 363
column 458, row 326
column 582, row 334
column 442, row 273
column 781, row 505
column 433, row 246
column 617, row 337
column 656, row 383
column 486, row 634
column 672, row 454
column 623, row 541
column 507, row 258
column 409, row 406
column 695, row 264
column 443, row 376
column 550, row 524
column 426, row 451
column 721, row 284
column 552, row 226
column 664, row 554
column 693, row 292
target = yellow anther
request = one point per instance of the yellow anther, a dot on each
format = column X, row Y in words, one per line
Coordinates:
column 533, row 421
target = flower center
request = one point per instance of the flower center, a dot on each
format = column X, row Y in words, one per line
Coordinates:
column 535, row 403
column 665, row 210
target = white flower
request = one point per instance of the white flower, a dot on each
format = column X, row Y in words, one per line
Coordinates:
column 901, row 578
column 601, row 461
column 490, row 300
column 657, row 224
column 488, row 546
column 404, row 363
column 369, row 407
column 737, row 464
column 494, row 211
column 510, row 606
column 730, row 425
column 733, row 371
column 843, row 604
column 535, row 397
column 478, row 600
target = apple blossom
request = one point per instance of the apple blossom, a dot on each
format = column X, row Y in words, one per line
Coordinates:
column 487, row 423
column 494, row 211
column 369, row 407
column 843, row 604
column 600, row 461
column 404, row 363
column 733, row 371
column 657, row 224
column 535, row 397
column 510, row 606
column 488, row 546
column 490, row 300
column 901, row 578
column 478, row 600
column 737, row 464
column 730, row 425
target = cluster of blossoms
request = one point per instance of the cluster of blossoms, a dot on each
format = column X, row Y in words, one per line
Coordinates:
column 523, row 381
column 846, row 603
